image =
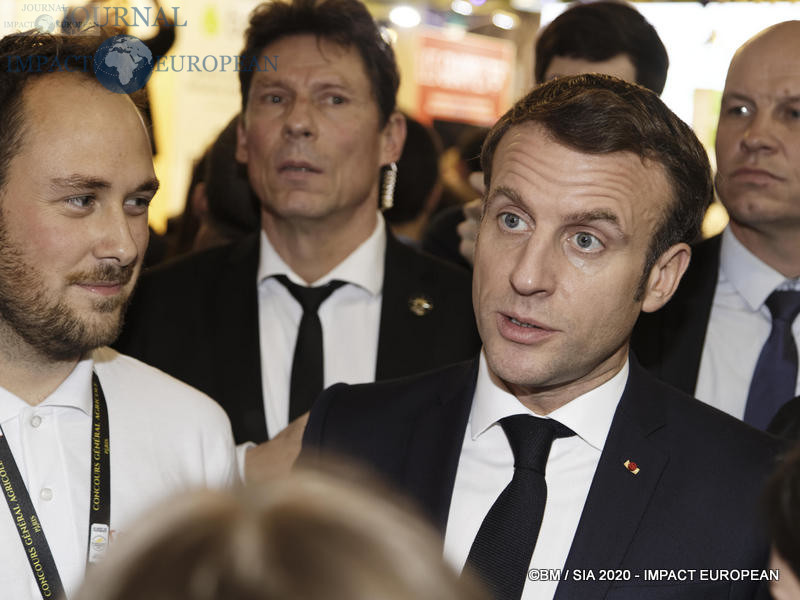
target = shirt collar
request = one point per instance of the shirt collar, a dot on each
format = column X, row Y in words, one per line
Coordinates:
column 589, row 415
column 75, row 391
column 363, row 267
column 753, row 279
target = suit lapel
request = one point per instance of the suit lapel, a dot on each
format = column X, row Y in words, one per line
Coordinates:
column 402, row 333
column 237, row 353
column 617, row 497
column 435, row 446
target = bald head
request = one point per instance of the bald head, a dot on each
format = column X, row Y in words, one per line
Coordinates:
column 758, row 138
column 772, row 43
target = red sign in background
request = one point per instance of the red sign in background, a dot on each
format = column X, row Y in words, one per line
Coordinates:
column 466, row 79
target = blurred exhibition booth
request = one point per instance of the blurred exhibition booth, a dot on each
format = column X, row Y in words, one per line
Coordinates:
column 461, row 62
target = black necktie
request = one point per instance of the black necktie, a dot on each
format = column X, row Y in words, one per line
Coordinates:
column 502, row 550
column 307, row 366
column 775, row 376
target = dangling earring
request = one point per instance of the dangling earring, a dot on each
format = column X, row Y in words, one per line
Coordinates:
column 387, row 188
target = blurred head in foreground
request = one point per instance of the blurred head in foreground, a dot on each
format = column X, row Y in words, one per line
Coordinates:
column 310, row 536
column 782, row 504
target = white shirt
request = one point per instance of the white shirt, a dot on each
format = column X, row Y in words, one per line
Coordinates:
column 350, row 319
column 738, row 326
column 486, row 467
column 164, row 436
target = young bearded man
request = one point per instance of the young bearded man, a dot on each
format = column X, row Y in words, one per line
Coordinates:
column 89, row 438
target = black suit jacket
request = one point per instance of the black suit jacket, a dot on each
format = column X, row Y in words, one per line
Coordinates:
column 197, row 319
column 693, row 504
column 669, row 342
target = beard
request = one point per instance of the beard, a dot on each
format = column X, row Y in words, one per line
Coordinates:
column 49, row 325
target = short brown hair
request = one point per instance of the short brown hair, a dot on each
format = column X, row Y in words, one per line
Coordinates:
column 30, row 55
column 599, row 114
column 346, row 22
column 22, row 58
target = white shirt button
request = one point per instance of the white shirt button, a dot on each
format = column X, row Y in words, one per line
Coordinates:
column 46, row 494
column 36, row 420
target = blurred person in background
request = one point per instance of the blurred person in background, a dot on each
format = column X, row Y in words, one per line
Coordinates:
column 458, row 165
column 182, row 228
column 220, row 206
column 782, row 510
column 602, row 37
column 312, row 536
column 458, row 162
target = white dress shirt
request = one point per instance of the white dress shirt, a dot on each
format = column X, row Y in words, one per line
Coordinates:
column 738, row 326
column 486, row 467
column 164, row 436
column 350, row 320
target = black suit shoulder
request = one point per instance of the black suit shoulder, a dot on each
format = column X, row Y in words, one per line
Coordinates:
column 197, row 319
column 192, row 272
column 429, row 268
column 427, row 319
column 373, row 422
column 178, row 296
column 728, row 441
column 403, row 261
column 684, row 426
column 348, row 415
column 408, row 430
column 693, row 502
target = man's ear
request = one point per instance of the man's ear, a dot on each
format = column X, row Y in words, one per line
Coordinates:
column 393, row 137
column 241, row 141
column 665, row 276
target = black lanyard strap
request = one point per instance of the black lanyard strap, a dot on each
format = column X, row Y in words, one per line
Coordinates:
column 24, row 514
column 29, row 529
column 100, row 497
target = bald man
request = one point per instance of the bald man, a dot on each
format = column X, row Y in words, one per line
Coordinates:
column 730, row 334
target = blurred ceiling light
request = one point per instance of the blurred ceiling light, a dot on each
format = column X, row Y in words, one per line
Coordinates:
column 405, row 16
column 534, row 6
column 389, row 35
column 461, row 7
column 504, row 20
